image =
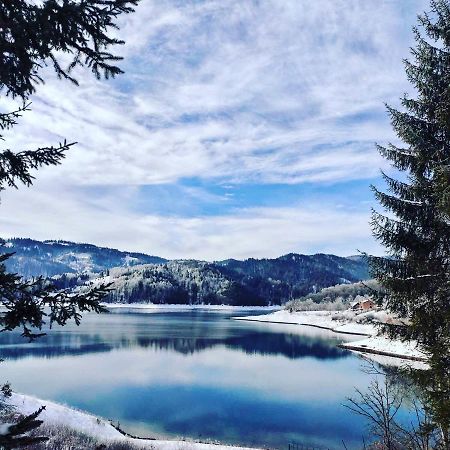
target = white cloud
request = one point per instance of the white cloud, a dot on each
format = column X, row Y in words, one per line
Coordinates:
column 245, row 90
column 42, row 213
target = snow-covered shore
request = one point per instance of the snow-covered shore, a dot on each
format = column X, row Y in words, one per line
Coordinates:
column 381, row 345
column 320, row 319
column 61, row 415
column 170, row 307
column 347, row 323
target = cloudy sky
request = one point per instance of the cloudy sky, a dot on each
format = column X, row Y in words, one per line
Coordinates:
column 240, row 129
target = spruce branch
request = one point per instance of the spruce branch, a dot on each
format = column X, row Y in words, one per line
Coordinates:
column 16, row 167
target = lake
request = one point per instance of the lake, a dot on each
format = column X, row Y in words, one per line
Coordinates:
column 197, row 374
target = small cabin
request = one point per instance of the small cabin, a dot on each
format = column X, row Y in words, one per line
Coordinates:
column 366, row 304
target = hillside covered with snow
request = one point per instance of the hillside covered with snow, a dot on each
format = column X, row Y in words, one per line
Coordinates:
column 47, row 258
column 138, row 277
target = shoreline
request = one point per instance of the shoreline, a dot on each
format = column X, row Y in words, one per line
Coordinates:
column 57, row 414
column 372, row 344
column 354, row 333
column 365, row 350
column 185, row 307
column 327, row 320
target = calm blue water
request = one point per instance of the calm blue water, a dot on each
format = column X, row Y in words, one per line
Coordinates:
column 197, row 374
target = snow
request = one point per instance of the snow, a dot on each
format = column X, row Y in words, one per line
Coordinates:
column 330, row 320
column 130, row 260
column 349, row 322
column 162, row 307
column 4, row 428
column 57, row 414
column 393, row 361
column 387, row 347
column 58, row 243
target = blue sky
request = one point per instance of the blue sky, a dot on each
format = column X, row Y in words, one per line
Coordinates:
column 240, row 129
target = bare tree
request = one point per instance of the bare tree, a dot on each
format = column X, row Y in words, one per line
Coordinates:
column 423, row 434
column 379, row 405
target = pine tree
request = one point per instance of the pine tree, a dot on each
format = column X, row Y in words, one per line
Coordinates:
column 416, row 234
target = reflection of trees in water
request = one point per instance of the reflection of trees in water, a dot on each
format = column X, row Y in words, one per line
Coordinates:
column 52, row 345
column 289, row 345
column 49, row 351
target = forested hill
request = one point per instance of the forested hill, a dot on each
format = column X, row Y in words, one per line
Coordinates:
column 33, row 258
column 250, row 282
column 138, row 277
column 314, row 270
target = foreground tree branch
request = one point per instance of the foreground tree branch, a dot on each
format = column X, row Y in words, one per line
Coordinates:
column 33, row 35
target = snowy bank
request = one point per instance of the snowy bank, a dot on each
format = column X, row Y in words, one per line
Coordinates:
column 392, row 361
column 329, row 320
column 384, row 346
column 60, row 415
column 348, row 322
column 170, row 307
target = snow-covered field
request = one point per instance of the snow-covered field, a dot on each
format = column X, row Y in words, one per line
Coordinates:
column 57, row 414
column 348, row 322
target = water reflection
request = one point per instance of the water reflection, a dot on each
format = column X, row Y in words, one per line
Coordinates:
column 182, row 332
column 196, row 374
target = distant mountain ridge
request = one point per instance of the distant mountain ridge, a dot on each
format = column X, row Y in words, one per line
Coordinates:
column 48, row 258
column 288, row 267
column 138, row 277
